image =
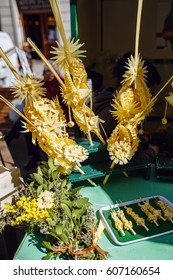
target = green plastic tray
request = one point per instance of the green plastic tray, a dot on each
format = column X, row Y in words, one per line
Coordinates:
column 164, row 227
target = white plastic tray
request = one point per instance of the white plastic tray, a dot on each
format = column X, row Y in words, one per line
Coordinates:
column 164, row 227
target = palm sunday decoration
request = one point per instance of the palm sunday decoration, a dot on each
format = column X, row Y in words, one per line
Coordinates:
column 45, row 120
column 74, row 89
column 131, row 104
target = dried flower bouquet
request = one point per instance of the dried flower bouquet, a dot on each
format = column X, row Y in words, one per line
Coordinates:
column 46, row 204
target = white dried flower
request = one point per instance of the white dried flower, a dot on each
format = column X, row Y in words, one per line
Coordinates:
column 75, row 153
column 46, row 199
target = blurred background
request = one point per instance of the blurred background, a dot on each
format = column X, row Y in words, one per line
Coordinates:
column 107, row 29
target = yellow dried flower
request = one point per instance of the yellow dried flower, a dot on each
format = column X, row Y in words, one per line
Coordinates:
column 29, row 210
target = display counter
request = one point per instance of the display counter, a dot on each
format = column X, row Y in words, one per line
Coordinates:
column 118, row 188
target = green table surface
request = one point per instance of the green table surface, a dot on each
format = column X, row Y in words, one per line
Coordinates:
column 118, row 187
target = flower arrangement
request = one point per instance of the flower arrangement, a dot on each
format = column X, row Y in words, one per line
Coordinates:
column 47, row 204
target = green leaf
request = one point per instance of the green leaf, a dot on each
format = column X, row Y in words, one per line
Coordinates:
column 48, row 256
column 87, row 204
column 47, row 245
column 31, row 184
column 64, row 238
column 67, row 202
column 59, row 229
column 50, row 163
column 51, row 222
column 77, row 227
column 45, row 187
column 80, row 202
column 44, row 163
column 64, row 183
column 44, row 170
column 53, row 215
column 54, row 235
column 77, row 213
column 39, row 171
column 68, row 186
column 50, row 185
column 75, row 190
column 83, row 220
column 55, row 174
column 39, row 189
column 66, row 209
column 38, row 178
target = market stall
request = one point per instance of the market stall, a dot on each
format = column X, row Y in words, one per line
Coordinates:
column 65, row 221
column 118, row 188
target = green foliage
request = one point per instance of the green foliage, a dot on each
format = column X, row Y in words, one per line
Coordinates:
column 71, row 218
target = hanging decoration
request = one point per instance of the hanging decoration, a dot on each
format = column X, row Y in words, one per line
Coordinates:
column 131, row 104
